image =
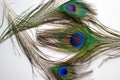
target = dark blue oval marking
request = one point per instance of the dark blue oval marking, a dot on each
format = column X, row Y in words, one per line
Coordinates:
column 77, row 39
column 71, row 8
column 63, row 71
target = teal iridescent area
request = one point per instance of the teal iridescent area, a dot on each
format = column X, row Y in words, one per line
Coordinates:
column 74, row 9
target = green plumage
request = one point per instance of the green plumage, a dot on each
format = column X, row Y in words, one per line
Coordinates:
column 61, row 38
column 75, row 34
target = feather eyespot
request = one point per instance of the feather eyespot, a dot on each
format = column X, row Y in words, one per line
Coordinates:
column 71, row 8
column 74, row 9
column 63, row 71
column 77, row 39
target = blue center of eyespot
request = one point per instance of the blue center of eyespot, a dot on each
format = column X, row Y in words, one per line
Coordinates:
column 77, row 39
column 63, row 71
column 71, row 8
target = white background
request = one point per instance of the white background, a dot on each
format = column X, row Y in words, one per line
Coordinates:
column 16, row 67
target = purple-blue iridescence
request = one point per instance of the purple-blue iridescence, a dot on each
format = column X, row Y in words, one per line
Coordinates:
column 63, row 71
column 71, row 8
column 77, row 39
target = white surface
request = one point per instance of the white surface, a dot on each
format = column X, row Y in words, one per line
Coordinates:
column 15, row 67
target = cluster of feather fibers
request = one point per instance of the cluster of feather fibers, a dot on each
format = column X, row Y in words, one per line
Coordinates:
column 78, row 33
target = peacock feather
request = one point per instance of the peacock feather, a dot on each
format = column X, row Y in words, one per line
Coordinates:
column 66, row 71
column 78, row 32
column 78, row 39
